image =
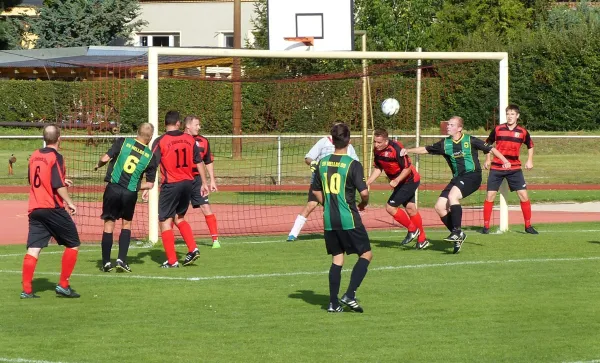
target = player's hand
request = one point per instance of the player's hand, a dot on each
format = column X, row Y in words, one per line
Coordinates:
column 68, row 183
column 313, row 165
column 487, row 164
column 529, row 165
column 72, row 209
column 362, row 206
column 393, row 183
column 506, row 165
column 145, row 195
column 213, row 186
column 204, row 190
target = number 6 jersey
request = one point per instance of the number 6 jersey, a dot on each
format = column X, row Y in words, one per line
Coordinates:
column 46, row 174
column 339, row 176
column 130, row 159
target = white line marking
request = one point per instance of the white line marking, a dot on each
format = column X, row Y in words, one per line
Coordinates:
column 303, row 273
column 586, row 361
column 21, row 360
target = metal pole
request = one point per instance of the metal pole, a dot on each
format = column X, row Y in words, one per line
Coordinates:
column 365, row 95
column 153, row 119
column 418, row 119
column 237, row 85
column 278, row 160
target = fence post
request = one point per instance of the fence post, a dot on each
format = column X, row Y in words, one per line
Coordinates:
column 278, row 160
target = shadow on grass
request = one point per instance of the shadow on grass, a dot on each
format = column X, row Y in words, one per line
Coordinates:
column 43, row 284
column 310, row 297
column 596, row 242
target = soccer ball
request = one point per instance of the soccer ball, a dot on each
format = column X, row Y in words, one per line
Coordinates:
column 390, row 106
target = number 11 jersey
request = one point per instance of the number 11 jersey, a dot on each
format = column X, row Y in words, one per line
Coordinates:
column 177, row 154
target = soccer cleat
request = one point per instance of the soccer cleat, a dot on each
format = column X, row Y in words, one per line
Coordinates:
column 216, row 244
column 291, row 238
column 166, row 264
column 531, row 230
column 191, row 257
column 68, row 292
column 422, row 245
column 25, row 295
column 108, row 267
column 459, row 242
column 485, row 230
column 453, row 237
column 331, row 309
column 410, row 236
column 122, row 266
column 351, row 303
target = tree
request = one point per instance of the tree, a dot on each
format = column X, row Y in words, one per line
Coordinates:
column 73, row 23
column 8, row 37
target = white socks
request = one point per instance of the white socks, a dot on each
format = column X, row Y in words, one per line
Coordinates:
column 297, row 226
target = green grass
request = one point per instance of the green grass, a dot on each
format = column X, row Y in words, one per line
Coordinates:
column 509, row 297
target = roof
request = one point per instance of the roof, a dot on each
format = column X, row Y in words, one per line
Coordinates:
column 36, row 3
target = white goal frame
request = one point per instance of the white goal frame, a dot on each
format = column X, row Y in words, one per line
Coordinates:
column 154, row 52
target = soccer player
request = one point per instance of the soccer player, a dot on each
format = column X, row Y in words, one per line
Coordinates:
column 322, row 148
column 335, row 180
column 177, row 153
column 192, row 127
column 508, row 138
column 460, row 151
column 405, row 180
column 47, row 215
column 130, row 158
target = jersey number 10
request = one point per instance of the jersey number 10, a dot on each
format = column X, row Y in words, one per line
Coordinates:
column 333, row 185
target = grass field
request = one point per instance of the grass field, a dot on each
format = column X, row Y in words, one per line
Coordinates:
column 510, row 297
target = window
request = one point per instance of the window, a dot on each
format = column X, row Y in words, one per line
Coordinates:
column 225, row 39
column 228, row 40
column 159, row 39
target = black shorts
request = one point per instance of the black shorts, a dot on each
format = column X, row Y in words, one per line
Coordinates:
column 174, row 199
column 514, row 178
column 46, row 223
column 467, row 183
column 197, row 198
column 403, row 194
column 349, row 241
column 118, row 202
column 311, row 195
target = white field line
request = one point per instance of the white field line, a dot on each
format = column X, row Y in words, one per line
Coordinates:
column 304, row 273
column 586, row 361
column 21, row 360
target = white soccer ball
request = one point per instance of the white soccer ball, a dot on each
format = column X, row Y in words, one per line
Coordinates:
column 390, row 106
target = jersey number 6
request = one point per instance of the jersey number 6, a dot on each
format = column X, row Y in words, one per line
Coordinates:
column 130, row 164
column 333, row 185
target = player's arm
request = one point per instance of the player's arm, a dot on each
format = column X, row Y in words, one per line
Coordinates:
column 111, row 153
column 414, row 150
column 403, row 175
column 201, row 170
column 358, row 178
column 498, row 154
column 208, row 161
column 317, row 188
column 529, row 144
column 150, row 176
column 59, row 183
column 311, row 157
column 375, row 173
column 489, row 141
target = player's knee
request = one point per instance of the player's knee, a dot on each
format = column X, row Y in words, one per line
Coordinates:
column 411, row 209
column 391, row 209
column 367, row 256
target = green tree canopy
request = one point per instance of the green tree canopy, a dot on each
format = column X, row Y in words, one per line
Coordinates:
column 8, row 37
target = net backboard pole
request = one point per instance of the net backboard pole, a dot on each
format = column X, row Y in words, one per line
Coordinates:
column 236, row 73
column 153, row 119
column 503, row 103
column 418, row 118
column 365, row 102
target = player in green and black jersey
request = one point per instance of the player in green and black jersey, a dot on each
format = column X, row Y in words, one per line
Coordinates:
column 460, row 151
column 336, row 179
column 130, row 158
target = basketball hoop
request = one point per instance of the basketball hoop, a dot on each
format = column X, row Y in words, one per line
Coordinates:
column 308, row 41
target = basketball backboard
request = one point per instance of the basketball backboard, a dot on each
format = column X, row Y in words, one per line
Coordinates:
column 329, row 22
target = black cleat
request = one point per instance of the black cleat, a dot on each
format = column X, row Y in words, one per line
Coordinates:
column 453, row 237
column 485, row 230
column 166, row 264
column 351, row 303
column 68, row 292
column 531, row 230
column 108, row 267
column 422, row 245
column 25, row 295
column 191, row 257
column 122, row 266
column 332, row 309
column 410, row 236
column 459, row 242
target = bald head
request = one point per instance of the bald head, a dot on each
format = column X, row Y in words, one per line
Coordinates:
column 145, row 132
column 51, row 135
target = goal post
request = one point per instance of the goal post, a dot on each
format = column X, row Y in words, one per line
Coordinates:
column 153, row 82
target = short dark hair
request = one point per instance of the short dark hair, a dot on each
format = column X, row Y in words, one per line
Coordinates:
column 381, row 132
column 171, row 118
column 51, row 134
column 513, row 107
column 340, row 135
column 188, row 119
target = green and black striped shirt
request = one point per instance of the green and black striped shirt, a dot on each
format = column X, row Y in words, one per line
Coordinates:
column 461, row 154
column 338, row 177
column 130, row 159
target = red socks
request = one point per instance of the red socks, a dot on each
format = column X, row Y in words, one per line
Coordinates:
column 487, row 213
column 211, row 221
column 418, row 222
column 168, row 240
column 402, row 218
column 188, row 235
column 69, row 259
column 29, row 263
column 526, row 209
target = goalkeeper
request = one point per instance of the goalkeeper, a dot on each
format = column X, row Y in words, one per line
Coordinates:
column 322, row 148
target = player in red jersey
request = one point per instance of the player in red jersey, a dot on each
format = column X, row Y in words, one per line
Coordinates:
column 508, row 138
column 405, row 180
column 192, row 127
column 177, row 154
column 47, row 215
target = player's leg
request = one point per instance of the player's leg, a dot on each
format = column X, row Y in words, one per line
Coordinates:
column 494, row 181
column 63, row 229
column 442, row 208
column 334, row 248
column 415, row 217
column 111, row 209
column 211, row 222
column 184, row 227
column 358, row 240
column 516, row 182
column 37, row 238
column 400, row 197
column 167, row 203
column 129, row 202
column 302, row 217
column 106, row 245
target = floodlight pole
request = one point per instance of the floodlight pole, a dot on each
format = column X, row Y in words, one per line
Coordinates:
column 365, row 99
column 236, row 72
